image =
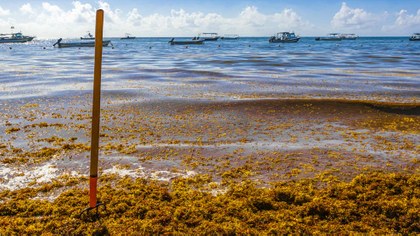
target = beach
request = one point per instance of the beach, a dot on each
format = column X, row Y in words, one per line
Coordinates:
column 203, row 123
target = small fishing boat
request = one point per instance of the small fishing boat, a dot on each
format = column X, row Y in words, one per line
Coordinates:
column 415, row 37
column 348, row 36
column 284, row 37
column 207, row 37
column 127, row 36
column 89, row 36
column 15, row 38
column 59, row 44
column 330, row 37
column 186, row 42
column 230, row 37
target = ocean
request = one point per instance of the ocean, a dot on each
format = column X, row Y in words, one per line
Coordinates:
column 369, row 68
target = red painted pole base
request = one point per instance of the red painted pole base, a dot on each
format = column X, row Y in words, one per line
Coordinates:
column 93, row 183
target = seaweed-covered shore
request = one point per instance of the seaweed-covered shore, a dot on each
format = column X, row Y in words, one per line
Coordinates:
column 375, row 203
column 257, row 166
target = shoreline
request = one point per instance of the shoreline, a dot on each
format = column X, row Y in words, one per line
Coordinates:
column 211, row 137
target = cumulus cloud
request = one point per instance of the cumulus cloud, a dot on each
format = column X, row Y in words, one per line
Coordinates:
column 353, row 18
column 49, row 20
column 26, row 9
column 406, row 20
column 404, row 23
column 4, row 12
column 253, row 22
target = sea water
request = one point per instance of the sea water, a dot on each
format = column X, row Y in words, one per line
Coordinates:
column 372, row 68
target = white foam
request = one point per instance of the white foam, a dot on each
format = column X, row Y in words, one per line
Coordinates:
column 14, row 179
column 125, row 172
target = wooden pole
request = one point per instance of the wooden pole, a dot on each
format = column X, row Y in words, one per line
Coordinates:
column 94, row 152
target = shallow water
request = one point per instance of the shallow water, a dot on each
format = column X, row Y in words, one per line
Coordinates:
column 367, row 68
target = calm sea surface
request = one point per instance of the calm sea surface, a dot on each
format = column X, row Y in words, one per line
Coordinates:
column 377, row 68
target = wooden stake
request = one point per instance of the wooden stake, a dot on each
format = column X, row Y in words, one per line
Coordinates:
column 94, row 152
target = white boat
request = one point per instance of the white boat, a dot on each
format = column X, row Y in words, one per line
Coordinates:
column 89, row 36
column 330, row 37
column 284, row 37
column 207, row 37
column 15, row 37
column 230, row 37
column 348, row 36
column 59, row 44
column 415, row 37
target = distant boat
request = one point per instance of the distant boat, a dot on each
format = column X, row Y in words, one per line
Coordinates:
column 89, row 36
column 59, row 44
column 207, row 37
column 15, row 38
column 127, row 36
column 185, row 42
column 415, row 37
column 230, row 37
column 284, row 37
column 348, row 36
column 330, row 37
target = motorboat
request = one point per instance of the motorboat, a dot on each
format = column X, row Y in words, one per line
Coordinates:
column 207, row 37
column 127, row 36
column 59, row 44
column 415, row 37
column 15, row 38
column 330, row 37
column 89, row 36
column 186, row 42
column 230, row 37
column 348, row 36
column 284, row 37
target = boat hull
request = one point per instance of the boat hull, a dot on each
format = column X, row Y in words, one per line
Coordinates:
column 414, row 39
column 210, row 39
column 82, row 44
column 22, row 40
column 284, row 40
column 128, row 38
column 192, row 42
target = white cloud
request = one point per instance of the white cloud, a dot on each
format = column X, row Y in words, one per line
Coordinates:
column 4, row 12
column 261, row 24
column 406, row 20
column 48, row 20
column 289, row 18
column 353, row 18
column 404, row 23
column 26, row 9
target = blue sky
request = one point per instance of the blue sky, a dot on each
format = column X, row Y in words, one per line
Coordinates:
column 55, row 18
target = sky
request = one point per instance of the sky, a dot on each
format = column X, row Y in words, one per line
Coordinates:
column 172, row 18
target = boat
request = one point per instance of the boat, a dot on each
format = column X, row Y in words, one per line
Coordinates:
column 348, row 36
column 127, row 36
column 15, row 38
column 59, row 44
column 284, row 37
column 230, row 37
column 330, row 37
column 207, row 37
column 89, row 36
column 415, row 37
column 186, row 42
